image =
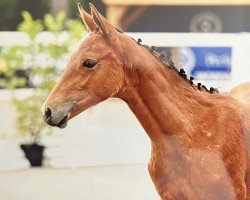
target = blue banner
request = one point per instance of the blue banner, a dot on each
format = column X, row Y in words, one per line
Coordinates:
column 211, row 63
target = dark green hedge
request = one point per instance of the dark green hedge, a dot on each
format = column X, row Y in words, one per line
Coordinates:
column 10, row 15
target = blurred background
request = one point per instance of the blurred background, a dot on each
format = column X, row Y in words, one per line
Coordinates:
column 100, row 154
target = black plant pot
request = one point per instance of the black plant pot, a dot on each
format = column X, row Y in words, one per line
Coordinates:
column 34, row 153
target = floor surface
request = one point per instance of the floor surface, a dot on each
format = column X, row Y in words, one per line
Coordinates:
column 127, row 182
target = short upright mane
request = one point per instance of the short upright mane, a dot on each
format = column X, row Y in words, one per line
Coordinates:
column 167, row 62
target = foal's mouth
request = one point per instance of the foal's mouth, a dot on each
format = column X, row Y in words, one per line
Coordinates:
column 57, row 117
column 63, row 123
column 60, row 122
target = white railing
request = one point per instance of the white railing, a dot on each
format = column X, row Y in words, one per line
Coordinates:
column 240, row 43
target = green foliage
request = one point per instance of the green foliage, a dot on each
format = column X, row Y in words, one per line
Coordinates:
column 30, row 26
column 29, row 122
column 56, row 50
column 75, row 28
column 54, row 24
column 40, row 60
column 10, row 61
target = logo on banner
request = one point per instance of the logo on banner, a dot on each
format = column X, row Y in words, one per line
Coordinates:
column 211, row 63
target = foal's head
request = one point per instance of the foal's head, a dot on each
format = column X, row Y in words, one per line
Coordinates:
column 94, row 73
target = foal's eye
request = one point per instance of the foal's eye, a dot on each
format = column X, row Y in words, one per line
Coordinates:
column 89, row 63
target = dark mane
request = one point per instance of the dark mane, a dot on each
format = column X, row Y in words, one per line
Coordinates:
column 168, row 62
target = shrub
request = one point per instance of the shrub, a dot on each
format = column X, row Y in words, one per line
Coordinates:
column 41, row 62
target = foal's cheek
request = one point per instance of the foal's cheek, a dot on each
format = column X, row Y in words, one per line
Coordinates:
column 80, row 80
column 108, row 89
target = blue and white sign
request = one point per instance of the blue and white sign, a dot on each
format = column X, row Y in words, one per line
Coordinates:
column 207, row 63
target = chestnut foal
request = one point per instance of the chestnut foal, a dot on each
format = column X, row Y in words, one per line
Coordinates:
column 198, row 137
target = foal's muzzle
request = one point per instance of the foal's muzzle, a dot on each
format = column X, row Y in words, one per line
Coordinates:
column 55, row 118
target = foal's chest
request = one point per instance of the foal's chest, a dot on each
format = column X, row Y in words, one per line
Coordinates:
column 194, row 174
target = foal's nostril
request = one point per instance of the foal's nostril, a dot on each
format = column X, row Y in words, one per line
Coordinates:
column 48, row 113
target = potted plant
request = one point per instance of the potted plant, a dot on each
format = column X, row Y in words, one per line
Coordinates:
column 31, row 127
column 37, row 65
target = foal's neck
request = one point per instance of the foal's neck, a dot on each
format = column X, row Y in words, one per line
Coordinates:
column 163, row 102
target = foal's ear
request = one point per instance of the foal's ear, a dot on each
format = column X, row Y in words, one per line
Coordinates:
column 87, row 19
column 102, row 23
